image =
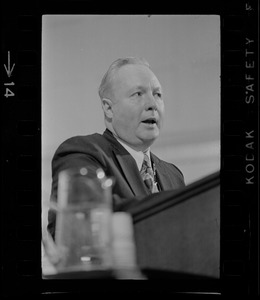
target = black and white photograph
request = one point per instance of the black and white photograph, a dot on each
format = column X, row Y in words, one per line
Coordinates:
column 130, row 145
column 129, row 148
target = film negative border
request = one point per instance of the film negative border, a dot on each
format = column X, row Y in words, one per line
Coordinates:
column 239, row 151
column 21, row 137
column 21, row 155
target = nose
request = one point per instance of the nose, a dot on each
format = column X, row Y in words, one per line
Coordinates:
column 151, row 103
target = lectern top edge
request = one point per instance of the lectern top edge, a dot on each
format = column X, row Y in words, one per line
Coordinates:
column 157, row 202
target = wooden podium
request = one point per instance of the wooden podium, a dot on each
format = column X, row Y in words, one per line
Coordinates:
column 179, row 231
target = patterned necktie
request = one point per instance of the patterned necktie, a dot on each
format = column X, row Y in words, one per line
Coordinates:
column 147, row 174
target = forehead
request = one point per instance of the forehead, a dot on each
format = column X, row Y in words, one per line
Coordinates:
column 129, row 76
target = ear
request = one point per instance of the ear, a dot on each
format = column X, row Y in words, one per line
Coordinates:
column 107, row 106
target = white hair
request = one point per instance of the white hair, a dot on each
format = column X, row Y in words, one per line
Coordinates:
column 106, row 82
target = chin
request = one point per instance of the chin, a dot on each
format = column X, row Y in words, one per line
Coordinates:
column 149, row 139
column 152, row 135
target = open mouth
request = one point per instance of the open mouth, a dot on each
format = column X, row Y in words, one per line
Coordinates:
column 150, row 121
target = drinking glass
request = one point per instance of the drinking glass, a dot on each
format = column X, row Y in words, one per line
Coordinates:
column 83, row 224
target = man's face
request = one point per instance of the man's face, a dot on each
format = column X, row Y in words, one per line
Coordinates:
column 137, row 106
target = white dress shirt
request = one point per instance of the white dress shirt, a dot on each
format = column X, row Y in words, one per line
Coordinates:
column 137, row 155
column 139, row 158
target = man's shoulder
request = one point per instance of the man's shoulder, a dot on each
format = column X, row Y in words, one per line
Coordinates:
column 84, row 139
column 170, row 167
column 83, row 143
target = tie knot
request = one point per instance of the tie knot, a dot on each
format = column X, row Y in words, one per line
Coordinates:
column 147, row 160
column 147, row 170
column 147, row 174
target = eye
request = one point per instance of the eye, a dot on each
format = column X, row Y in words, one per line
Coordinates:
column 138, row 93
column 158, row 94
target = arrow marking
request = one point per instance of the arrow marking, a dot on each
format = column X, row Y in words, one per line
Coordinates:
column 8, row 69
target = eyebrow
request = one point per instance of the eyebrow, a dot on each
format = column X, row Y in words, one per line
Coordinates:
column 158, row 89
column 140, row 87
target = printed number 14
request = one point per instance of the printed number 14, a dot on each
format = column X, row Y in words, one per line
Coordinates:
column 8, row 92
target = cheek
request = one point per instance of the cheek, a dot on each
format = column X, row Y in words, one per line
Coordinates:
column 123, row 120
column 127, row 115
column 161, row 107
column 161, row 111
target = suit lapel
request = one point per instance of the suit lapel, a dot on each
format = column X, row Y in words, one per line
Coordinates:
column 162, row 176
column 128, row 166
column 132, row 174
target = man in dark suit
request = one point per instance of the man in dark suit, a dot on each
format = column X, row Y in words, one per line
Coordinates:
column 133, row 106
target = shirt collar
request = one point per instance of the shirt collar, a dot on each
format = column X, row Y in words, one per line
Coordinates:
column 137, row 155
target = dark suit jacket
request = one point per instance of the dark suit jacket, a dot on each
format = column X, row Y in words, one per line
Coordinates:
column 95, row 151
